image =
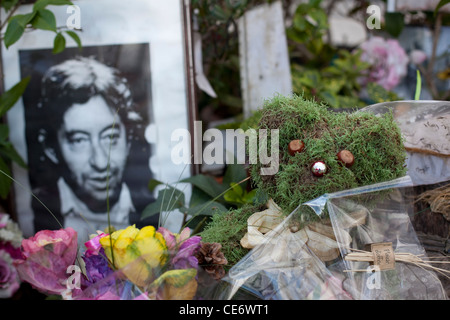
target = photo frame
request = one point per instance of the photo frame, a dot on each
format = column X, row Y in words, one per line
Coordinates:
column 148, row 43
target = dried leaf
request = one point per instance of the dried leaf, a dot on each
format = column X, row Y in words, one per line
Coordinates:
column 325, row 248
column 260, row 223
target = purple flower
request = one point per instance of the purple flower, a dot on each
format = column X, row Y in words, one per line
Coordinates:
column 182, row 247
column 99, row 278
column 97, row 268
column 185, row 257
column 388, row 62
column 9, row 279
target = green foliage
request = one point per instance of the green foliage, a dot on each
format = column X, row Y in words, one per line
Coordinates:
column 10, row 97
column 375, row 142
column 394, row 23
column 208, row 196
column 8, row 4
column 335, row 84
column 309, row 26
column 228, row 229
column 321, row 71
column 218, row 27
column 237, row 195
column 39, row 18
column 377, row 94
column 440, row 5
column 418, row 86
column 7, row 151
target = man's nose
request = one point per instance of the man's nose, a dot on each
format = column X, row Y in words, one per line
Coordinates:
column 99, row 157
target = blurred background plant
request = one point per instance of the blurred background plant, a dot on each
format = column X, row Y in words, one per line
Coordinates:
column 210, row 195
column 217, row 25
column 321, row 69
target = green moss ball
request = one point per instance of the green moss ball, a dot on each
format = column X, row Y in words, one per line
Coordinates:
column 375, row 141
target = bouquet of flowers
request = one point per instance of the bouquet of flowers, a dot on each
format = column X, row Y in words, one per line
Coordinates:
column 130, row 263
column 10, row 239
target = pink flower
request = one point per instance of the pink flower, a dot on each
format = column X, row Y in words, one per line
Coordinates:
column 173, row 240
column 182, row 247
column 388, row 59
column 417, row 56
column 93, row 246
column 46, row 257
column 9, row 279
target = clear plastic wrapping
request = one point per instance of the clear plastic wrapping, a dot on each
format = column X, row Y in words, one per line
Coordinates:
column 425, row 126
column 301, row 260
column 384, row 216
column 283, row 268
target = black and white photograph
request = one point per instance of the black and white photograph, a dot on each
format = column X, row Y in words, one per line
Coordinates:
column 85, row 120
column 94, row 123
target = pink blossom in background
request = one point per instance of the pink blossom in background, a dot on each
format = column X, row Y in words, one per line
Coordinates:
column 46, row 257
column 417, row 56
column 388, row 61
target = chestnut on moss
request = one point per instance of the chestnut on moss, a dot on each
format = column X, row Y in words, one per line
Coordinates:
column 346, row 157
column 295, row 146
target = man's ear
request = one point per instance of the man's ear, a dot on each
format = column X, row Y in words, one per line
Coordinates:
column 49, row 151
column 51, row 154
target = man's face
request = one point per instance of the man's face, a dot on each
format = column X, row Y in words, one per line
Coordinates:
column 90, row 138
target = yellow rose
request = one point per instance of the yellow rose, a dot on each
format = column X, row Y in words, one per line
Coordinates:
column 179, row 284
column 138, row 253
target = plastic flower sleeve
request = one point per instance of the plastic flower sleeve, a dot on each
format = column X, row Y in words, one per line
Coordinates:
column 424, row 126
column 283, row 267
column 115, row 286
column 382, row 216
column 302, row 260
column 138, row 281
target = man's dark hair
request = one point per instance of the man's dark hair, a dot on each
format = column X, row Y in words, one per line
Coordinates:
column 77, row 80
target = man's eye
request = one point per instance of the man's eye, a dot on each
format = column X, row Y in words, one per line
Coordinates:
column 111, row 138
column 78, row 140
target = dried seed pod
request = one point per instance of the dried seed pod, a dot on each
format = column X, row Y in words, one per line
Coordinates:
column 295, row 146
column 346, row 157
column 211, row 259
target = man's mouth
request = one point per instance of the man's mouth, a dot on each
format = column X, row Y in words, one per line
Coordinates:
column 100, row 183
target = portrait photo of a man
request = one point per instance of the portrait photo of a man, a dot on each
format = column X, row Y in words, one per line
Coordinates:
column 85, row 118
